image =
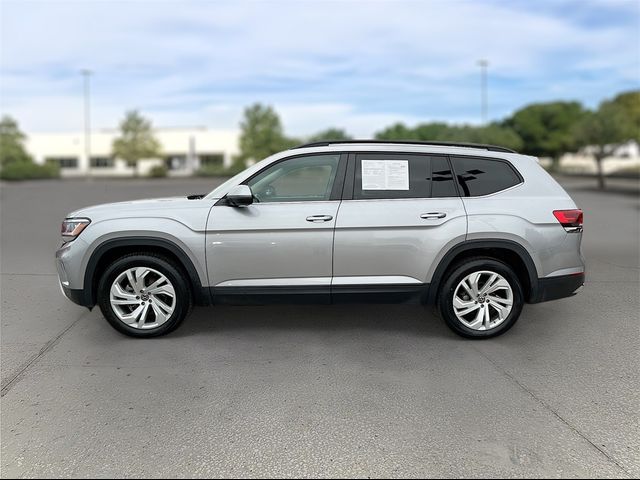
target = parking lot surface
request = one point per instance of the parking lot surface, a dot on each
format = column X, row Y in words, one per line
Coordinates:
column 290, row 391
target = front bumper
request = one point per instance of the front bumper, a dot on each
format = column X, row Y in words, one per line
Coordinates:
column 63, row 258
column 553, row 288
column 77, row 296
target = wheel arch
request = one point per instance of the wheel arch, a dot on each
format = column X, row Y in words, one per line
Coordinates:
column 508, row 251
column 109, row 250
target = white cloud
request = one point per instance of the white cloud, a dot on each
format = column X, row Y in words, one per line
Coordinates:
column 358, row 65
column 302, row 119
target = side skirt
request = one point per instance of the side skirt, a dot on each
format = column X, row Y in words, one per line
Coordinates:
column 270, row 295
column 337, row 294
column 410, row 294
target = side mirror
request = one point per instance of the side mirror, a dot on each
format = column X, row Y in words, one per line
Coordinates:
column 240, row 196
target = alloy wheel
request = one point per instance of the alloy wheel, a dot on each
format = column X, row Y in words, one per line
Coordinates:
column 483, row 300
column 142, row 298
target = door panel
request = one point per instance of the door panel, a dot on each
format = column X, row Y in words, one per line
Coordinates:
column 282, row 244
column 389, row 238
column 270, row 241
column 392, row 237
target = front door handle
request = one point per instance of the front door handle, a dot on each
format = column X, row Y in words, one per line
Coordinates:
column 433, row 215
column 319, row 218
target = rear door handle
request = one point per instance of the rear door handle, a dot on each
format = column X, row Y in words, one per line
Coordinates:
column 433, row 215
column 319, row 218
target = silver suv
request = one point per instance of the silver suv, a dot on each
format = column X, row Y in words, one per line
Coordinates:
column 477, row 230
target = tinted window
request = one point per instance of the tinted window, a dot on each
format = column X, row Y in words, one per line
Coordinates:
column 383, row 175
column 211, row 160
column 481, row 176
column 296, row 180
column 428, row 176
column 64, row 162
column 442, row 183
column 102, row 162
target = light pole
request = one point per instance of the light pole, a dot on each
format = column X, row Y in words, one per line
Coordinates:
column 86, row 74
column 484, row 101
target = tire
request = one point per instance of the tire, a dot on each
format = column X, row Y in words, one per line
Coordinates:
column 503, row 303
column 130, row 309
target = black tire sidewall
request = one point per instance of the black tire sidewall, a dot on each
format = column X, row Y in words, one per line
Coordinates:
column 445, row 299
column 173, row 274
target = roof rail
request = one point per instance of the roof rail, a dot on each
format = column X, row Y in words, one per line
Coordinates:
column 492, row 148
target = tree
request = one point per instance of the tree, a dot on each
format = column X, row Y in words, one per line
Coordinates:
column 12, row 143
column 492, row 134
column 439, row 131
column 397, row 131
column 615, row 122
column 261, row 134
column 330, row 134
column 136, row 140
column 546, row 129
column 629, row 103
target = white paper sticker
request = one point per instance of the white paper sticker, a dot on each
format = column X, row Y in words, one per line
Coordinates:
column 385, row 174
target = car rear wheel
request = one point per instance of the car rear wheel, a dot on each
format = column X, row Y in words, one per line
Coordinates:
column 481, row 298
column 144, row 295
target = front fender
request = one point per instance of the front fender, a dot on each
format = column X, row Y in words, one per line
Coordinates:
column 184, row 243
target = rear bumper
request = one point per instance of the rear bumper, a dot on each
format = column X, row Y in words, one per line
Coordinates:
column 553, row 288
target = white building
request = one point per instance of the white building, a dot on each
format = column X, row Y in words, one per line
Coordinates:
column 625, row 156
column 184, row 150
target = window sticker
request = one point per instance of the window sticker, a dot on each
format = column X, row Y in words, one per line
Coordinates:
column 385, row 174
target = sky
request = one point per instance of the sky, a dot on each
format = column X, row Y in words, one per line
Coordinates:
column 357, row 65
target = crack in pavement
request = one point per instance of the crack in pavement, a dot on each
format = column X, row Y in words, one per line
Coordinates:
column 550, row 409
column 22, row 369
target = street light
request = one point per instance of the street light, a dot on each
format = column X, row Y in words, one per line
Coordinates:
column 484, row 102
column 86, row 74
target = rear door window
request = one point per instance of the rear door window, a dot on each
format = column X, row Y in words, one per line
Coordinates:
column 390, row 176
column 442, row 181
column 483, row 176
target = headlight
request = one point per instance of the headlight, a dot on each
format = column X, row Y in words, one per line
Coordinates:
column 72, row 227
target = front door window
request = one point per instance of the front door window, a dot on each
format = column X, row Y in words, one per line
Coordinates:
column 300, row 179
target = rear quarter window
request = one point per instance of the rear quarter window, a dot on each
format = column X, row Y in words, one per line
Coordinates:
column 484, row 176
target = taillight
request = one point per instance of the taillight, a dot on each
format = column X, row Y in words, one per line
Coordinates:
column 571, row 220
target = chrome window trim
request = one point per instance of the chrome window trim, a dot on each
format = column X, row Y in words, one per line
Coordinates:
column 275, row 282
column 494, row 193
column 376, row 280
column 257, row 204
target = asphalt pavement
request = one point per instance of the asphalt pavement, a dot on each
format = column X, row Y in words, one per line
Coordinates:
column 328, row 391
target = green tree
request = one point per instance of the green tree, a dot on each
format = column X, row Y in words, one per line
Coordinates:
column 397, row 131
column 261, row 134
column 629, row 103
column 615, row 122
column 436, row 131
column 136, row 140
column 330, row 134
column 439, row 131
column 492, row 134
column 546, row 129
column 12, row 143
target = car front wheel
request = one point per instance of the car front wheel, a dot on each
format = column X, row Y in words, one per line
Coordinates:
column 144, row 295
column 481, row 298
